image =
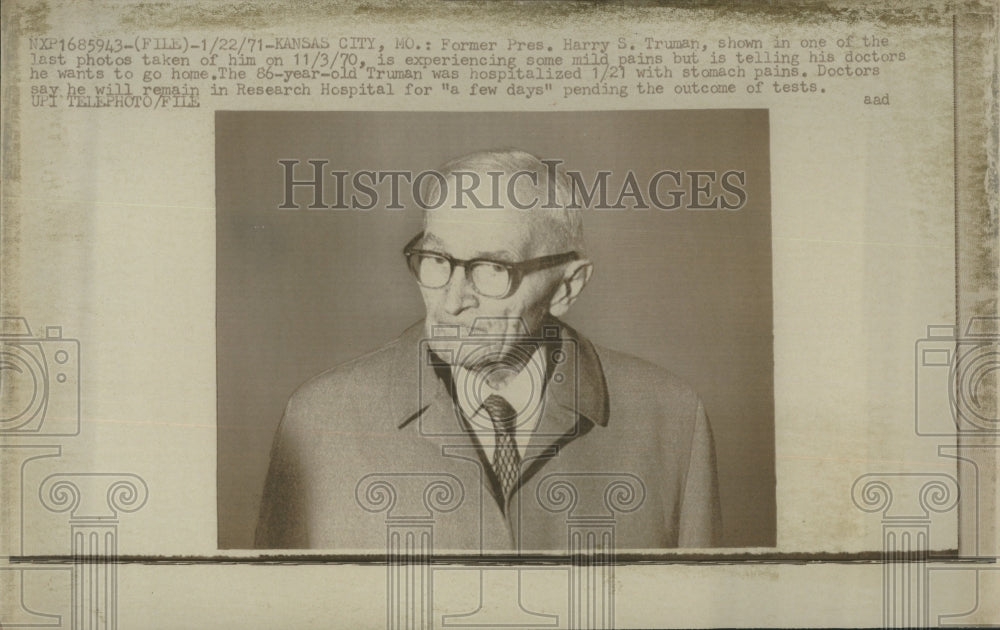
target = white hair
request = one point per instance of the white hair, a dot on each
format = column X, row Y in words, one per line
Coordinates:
column 547, row 180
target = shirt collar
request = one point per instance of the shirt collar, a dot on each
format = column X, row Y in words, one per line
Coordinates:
column 416, row 389
column 523, row 392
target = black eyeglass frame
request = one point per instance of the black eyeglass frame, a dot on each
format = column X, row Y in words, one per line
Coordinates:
column 515, row 271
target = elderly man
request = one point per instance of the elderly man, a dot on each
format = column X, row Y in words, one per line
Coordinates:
column 492, row 422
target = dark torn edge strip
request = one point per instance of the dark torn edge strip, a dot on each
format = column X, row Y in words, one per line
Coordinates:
column 507, row 560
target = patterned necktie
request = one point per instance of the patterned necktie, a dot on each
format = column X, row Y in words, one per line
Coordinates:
column 506, row 458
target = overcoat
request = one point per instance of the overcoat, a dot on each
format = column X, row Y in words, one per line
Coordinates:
column 622, row 456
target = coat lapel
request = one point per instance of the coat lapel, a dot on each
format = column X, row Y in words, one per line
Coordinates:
column 576, row 398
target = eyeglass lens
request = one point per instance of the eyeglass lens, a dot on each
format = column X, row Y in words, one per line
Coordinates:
column 487, row 278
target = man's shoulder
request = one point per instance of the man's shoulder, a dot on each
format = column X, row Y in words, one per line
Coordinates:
column 643, row 380
column 355, row 382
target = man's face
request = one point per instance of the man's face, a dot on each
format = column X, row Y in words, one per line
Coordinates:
column 502, row 235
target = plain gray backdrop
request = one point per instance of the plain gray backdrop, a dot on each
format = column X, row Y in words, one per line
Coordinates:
column 300, row 291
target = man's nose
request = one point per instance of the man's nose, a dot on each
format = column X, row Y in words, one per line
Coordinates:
column 458, row 293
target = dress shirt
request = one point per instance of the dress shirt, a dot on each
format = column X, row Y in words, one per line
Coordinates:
column 524, row 392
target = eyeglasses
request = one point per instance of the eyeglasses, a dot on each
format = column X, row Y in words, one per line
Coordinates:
column 489, row 278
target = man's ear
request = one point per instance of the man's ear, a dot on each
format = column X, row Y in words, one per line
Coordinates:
column 575, row 276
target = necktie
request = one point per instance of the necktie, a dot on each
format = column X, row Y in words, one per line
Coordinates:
column 506, row 458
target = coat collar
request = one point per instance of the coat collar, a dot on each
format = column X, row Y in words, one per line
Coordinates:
column 575, row 388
